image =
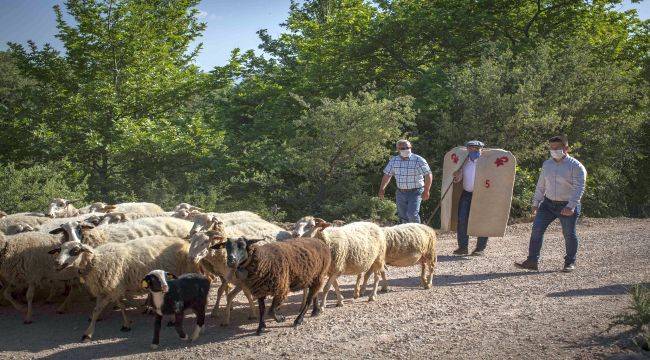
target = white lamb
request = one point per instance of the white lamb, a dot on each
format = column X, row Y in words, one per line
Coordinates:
column 111, row 270
column 357, row 248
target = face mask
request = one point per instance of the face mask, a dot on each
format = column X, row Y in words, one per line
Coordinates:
column 405, row 153
column 557, row 154
column 474, row 155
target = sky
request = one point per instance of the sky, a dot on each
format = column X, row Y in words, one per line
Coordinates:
column 230, row 24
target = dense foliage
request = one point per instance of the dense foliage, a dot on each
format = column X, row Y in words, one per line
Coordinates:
column 309, row 125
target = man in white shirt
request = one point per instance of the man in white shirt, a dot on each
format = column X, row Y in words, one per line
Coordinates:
column 557, row 196
column 466, row 174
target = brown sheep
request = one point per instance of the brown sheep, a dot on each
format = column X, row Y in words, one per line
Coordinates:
column 277, row 268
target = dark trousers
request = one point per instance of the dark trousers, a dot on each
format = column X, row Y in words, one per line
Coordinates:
column 464, row 205
column 547, row 212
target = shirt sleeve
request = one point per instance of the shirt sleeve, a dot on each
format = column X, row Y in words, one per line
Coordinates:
column 540, row 189
column 578, row 179
column 389, row 169
column 423, row 167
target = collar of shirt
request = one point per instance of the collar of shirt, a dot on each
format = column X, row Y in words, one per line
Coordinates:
column 406, row 158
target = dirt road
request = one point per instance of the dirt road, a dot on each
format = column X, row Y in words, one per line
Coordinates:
column 479, row 308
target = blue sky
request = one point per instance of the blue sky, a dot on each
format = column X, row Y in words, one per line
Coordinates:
column 230, row 24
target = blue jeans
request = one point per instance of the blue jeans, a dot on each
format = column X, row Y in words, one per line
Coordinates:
column 408, row 205
column 547, row 212
column 464, row 204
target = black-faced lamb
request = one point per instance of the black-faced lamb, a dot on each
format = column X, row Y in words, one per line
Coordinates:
column 173, row 295
column 277, row 268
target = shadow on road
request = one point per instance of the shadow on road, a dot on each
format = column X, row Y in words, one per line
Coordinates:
column 614, row 289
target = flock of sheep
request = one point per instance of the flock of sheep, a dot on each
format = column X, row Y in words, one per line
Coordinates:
column 117, row 251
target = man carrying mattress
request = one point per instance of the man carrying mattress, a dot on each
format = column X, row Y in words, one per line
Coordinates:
column 557, row 196
column 413, row 177
column 466, row 174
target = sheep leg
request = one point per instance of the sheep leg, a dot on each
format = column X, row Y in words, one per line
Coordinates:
column 277, row 301
column 222, row 288
column 156, row 332
column 432, row 268
column 52, row 294
column 310, row 297
column 101, row 303
column 126, row 324
column 374, row 288
column 30, row 298
column 262, row 324
column 229, row 298
column 339, row 295
column 251, row 303
column 316, row 309
column 357, row 287
column 423, row 278
column 362, row 291
column 178, row 323
column 200, row 321
column 326, row 289
column 14, row 303
column 64, row 305
column 304, row 296
column 384, row 286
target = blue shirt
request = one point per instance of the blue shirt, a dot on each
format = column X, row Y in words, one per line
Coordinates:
column 563, row 181
column 409, row 173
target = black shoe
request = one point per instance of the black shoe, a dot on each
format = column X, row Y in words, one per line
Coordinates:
column 569, row 267
column 527, row 265
column 477, row 253
column 461, row 251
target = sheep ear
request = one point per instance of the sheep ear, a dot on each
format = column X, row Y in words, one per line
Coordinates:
column 250, row 242
column 87, row 226
column 54, row 251
column 87, row 249
column 171, row 276
column 214, row 235
column 109, row 208
column 57, row 231
column 218, row 246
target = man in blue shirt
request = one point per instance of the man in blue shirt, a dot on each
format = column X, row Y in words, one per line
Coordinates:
column 413, row 177
column 557, row 196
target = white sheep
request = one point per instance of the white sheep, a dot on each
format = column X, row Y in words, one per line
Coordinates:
column 34, row 221
column 357, row 248
column 135, row 207
column 111, row 270
column 186, row 206
column 51, row 224
column 408, row 245
column 24, row 261
column 203, row 221
column 62, row 208
column 122, row 232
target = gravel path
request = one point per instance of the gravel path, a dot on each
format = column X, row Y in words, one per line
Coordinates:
column 478, row 308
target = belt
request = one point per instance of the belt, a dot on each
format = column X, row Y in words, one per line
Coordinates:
column 555, row 202
column 408, row 190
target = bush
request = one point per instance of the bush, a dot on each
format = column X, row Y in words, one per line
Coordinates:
column 32, row 188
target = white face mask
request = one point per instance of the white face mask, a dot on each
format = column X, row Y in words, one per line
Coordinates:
column 405, row 153
column 557, row 154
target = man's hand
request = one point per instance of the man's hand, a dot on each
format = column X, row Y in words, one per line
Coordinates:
column 533, row 210
column 566, row 212
column 425, row 196
column 457, row 176
column 381, row 194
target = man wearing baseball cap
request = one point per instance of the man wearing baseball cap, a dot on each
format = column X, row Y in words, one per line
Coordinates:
column 466, row 174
